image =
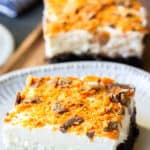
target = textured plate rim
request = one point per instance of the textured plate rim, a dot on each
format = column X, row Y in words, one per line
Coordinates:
column 30, row 70
column 24, row 72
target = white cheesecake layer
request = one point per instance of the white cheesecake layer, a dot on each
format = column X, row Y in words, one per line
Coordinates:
column 124, row 44
column 21, row 138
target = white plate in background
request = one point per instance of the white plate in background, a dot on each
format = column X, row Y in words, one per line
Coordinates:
column 6, row 44
column 15, row 81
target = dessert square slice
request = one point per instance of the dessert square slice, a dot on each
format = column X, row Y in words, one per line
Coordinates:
column 94, row 29
column 70, row 113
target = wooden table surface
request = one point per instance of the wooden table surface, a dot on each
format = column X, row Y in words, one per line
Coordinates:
column 146, row 56
column 31, row 51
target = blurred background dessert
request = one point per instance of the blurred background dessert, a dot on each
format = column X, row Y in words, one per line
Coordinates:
column 21, row 18
column 95, row 30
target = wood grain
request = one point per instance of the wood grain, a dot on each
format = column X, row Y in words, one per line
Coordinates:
column 31, row 51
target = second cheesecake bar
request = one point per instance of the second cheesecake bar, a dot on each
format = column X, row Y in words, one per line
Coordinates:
column 87, row 29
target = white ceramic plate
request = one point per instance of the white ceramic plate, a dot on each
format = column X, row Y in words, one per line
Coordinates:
column 15, row 81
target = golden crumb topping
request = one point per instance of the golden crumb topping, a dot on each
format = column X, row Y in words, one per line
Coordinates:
column 91, row 106
column 66, row 15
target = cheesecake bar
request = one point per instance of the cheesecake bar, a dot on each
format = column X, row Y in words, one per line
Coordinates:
column 70, row 113
column 94, row 29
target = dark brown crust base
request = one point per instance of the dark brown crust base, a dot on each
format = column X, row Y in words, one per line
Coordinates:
column 134, row 61
column 133, row 133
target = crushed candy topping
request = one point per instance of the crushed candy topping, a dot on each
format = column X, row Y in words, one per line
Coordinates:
column 91, row 106
column 89, row 15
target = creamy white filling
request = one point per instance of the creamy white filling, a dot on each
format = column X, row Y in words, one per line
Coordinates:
column 124, row 44
column 16, row 138
column 20, row 138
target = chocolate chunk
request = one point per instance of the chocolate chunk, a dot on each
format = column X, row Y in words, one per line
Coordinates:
column 112, row 125
column 77, row 10
column 32, row 100
column 53, row 82
column 37, row 83
column 122, row 93
column 129, row 15
column 58, row 108
column 123, row 86
column 64, row 83
column 123, row 98
column 91, row 16
column 90, row 134
column 114, row 98
column 120, row 97
column 18, row 98
column 112, row 25
column 7, row 114
column 71, row 122
column 121, row 111
column 81, row 104
column 103, row 38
